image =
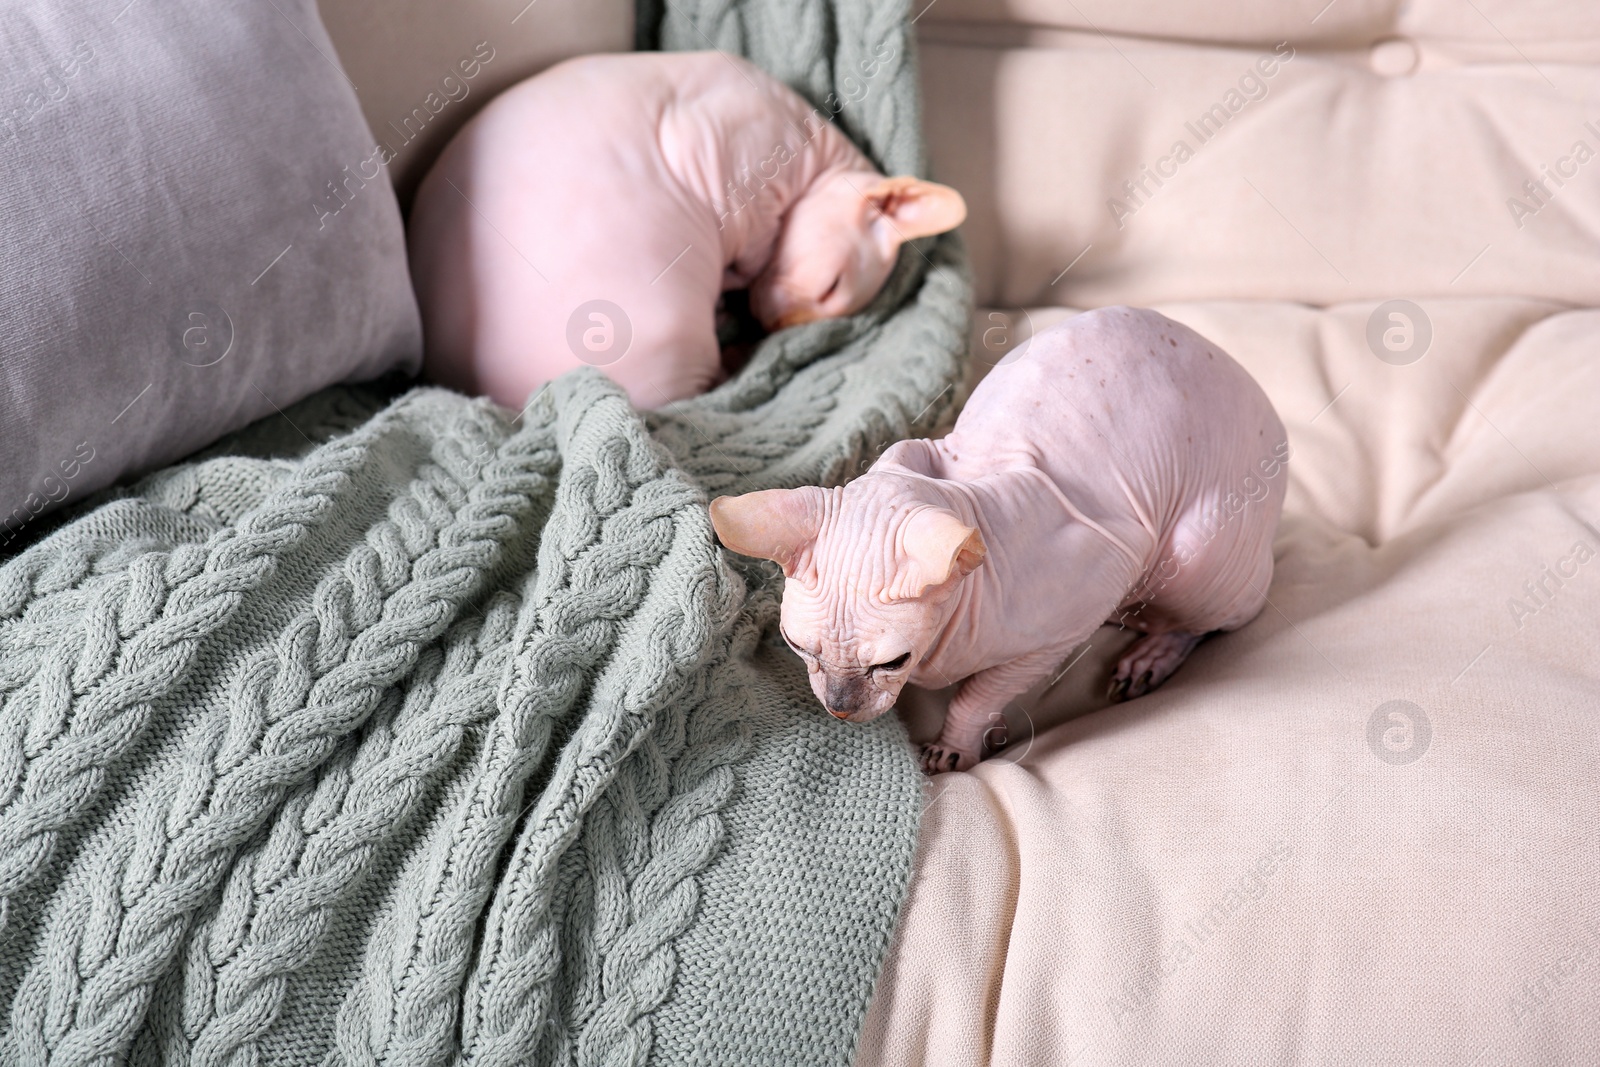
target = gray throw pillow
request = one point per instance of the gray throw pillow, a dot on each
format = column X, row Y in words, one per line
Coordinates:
column 195, row 232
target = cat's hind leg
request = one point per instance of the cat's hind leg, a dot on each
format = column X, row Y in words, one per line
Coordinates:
column 1150, row 661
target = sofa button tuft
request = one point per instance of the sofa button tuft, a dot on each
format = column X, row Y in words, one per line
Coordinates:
column 1394, row 57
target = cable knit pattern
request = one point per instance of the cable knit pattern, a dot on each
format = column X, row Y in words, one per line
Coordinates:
column 407, row 731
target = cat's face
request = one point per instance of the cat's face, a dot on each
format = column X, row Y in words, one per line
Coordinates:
column 871, row 580
column 839, row 241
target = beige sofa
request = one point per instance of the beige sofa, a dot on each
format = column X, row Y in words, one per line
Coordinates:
column 1363, row 829
column 399, row 53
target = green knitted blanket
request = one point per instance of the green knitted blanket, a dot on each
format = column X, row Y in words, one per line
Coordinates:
column 409, row 731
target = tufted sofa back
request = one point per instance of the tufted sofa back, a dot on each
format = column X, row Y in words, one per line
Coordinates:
column 1313, row 150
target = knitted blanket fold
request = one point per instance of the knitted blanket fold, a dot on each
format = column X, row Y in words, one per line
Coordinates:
column 416, row 731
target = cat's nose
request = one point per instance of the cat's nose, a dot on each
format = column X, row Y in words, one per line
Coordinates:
column 844, row 697
column 778, row 307
column 797, row 317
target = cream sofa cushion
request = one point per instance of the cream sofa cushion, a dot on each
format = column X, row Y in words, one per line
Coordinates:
column 1268, row 860
column 1387, row 161
column 420, row 69
column 1359, row 830
column 1547, row 26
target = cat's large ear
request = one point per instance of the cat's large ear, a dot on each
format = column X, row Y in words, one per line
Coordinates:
column 908, row 208
column 775, row 524
column 939, row 546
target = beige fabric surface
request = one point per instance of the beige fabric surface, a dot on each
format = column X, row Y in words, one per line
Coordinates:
column 1230, row 870
column 1242, row 868
column 1345, row 23
column 1268, row 860
column 409, row 61
column 1376, row 169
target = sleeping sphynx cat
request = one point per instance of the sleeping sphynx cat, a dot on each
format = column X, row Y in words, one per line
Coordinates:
column 595, row 212
column 1119, row 467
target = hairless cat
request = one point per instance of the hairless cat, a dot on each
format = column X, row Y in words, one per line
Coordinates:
column 1118, row 467
column 595, row 212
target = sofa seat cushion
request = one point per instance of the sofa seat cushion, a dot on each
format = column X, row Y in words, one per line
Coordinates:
column 1359, row 830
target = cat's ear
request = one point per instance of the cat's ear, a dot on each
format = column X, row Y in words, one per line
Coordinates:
column 904, row 208
column 939, row 546
column 775, row 524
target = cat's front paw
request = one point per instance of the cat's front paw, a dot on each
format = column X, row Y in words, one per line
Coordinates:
column 937, row 758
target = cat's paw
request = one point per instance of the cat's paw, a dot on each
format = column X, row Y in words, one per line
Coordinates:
column 937, row 758
column 1149, row 662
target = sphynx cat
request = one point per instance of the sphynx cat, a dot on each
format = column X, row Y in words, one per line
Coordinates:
column 595, row 212
column 1119, row 467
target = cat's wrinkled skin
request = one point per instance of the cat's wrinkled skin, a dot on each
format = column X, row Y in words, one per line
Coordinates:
column 1120, row 467
column 653, row 182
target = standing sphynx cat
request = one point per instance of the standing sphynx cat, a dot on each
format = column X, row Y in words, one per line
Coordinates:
column 1119, row 467
column 595, row 212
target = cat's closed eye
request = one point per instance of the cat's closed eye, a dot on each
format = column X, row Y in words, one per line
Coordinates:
column 894, row 664
column 790, row 642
